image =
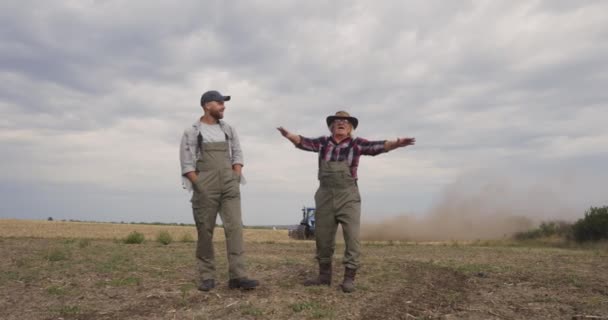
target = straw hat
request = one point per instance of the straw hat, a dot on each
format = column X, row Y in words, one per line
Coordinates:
column 342, row 115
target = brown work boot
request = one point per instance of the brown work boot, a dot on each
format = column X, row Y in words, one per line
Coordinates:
column 243, row 283
column 324, row 276
column 206, row 285
column 348, row 285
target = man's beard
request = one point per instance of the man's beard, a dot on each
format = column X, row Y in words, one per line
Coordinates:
column 216, row 114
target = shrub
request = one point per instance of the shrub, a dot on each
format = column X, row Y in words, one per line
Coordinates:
column 135, row 238
column 164, row 237
column 187, row 237
column 547, row 229
column 593, row 227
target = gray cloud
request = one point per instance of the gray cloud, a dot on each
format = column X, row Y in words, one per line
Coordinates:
column 95, row 95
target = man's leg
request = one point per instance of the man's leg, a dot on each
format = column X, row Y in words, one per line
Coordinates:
column 230, row 212
column 205, row 223
column 349, row 217
column 325, row 236
column 205, row 204
column 350, row 220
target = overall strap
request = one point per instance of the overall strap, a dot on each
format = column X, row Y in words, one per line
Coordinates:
column 221, row 123
column 199, row 141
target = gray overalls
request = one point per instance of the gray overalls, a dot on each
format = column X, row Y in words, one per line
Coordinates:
column 337, row 201
column 217, row 190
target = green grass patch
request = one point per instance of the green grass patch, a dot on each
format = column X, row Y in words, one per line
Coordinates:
column 9, row 276
column 290, row 261
column 315, row 309
column 362, row 287
column 382, row 243
column 23, row 262
column 477, row 268
column 323, row 313
column 118, row 261
column 258, row 227
column 69, row 241
column 24, row 275
column 67, row 310
column 83, row 243
column 302, row 306
column 57, row 254
column 316, row 290
column 185, row 288
column 121, row 282
column 249, row 310
column 56, row 290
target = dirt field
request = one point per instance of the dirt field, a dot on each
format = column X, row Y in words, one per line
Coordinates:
column 98, row 278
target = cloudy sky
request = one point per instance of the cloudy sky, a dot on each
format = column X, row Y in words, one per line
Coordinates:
column 507, row 95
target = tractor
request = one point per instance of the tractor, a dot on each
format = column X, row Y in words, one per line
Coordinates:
column 306, row 229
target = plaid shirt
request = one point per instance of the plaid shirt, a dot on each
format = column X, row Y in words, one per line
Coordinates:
column 348, row 150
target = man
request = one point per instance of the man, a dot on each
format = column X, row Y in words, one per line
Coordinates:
column 337, row 198
column 211, row 162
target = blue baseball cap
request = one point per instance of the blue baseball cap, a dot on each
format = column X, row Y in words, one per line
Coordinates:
column 213, row 95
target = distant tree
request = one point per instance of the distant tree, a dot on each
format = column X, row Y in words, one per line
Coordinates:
column 50, row 219
column 594, row 226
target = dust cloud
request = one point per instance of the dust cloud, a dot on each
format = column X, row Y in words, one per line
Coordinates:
column 478, row 208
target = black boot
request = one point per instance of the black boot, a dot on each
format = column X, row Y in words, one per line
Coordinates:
column 348, row 285
column 324, row 277
column 243, row 283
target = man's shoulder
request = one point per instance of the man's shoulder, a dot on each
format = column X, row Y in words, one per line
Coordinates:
column 227, row 128
column 225, row 124
column 190, row 128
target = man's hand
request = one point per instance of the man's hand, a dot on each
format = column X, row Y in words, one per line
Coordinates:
column 237, row 168
column 283, row 131
column 294, row 138
column 192, row 176
column 400, row 142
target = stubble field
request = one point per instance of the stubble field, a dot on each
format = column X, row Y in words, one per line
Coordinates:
column 67, row 270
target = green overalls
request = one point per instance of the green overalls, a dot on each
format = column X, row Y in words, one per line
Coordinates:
column 217, row 190
column 337, row 201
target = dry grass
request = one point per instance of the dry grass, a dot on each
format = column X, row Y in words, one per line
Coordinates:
column 61, row 229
